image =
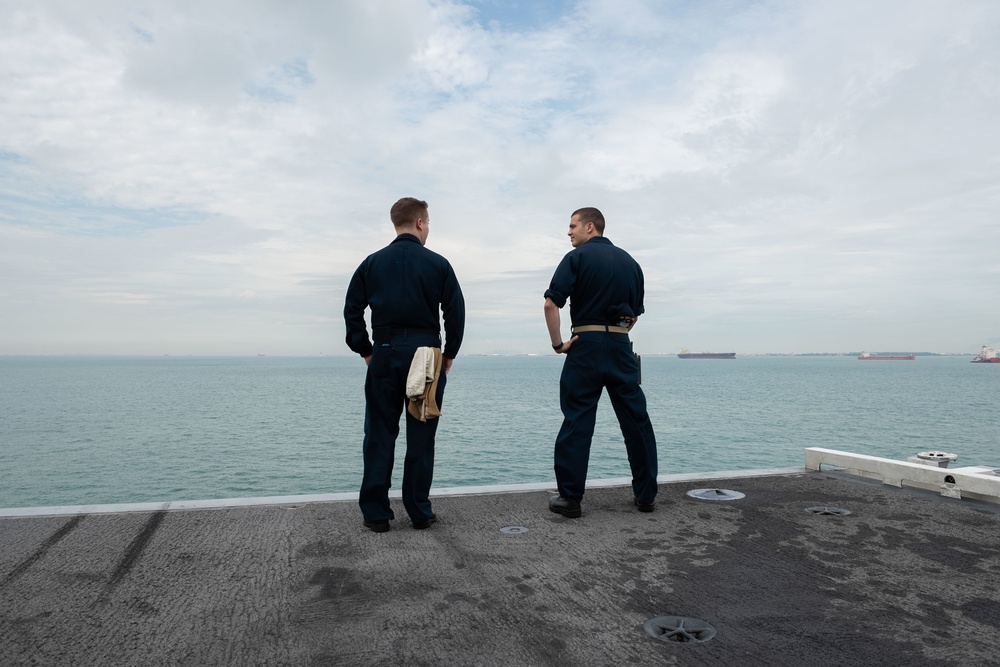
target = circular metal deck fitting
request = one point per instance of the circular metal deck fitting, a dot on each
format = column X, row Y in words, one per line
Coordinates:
column 828, row 511
column 513, row 530
column 679, row 629
column 715, row 494
column 937, row 456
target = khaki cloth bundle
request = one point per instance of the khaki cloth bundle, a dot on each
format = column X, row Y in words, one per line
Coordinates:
column 422, row 382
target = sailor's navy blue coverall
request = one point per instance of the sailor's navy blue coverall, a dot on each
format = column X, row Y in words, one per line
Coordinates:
column 598, row 279
column 406, row 286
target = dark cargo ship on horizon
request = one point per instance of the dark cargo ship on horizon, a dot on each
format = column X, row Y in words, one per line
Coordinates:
column 867, row 356
column 686, row 354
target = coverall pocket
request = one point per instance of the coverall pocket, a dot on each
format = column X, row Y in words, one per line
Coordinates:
column 381, row 362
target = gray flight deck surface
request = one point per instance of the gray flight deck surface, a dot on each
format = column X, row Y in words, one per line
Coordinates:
column 908, row 578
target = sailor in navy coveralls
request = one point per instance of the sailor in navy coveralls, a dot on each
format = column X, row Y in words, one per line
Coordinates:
column 406, row 286
column 604, row 286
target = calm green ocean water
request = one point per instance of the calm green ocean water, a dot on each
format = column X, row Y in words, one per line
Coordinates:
column 83, row 430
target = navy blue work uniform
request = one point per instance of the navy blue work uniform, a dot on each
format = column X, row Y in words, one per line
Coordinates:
column 601, row 281
column 406, row 286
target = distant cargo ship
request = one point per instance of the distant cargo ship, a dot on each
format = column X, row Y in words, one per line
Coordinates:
column 987, row 355
column 865, row 356
column 685, row 354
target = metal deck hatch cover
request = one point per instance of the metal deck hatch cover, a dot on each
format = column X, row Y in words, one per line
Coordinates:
column 828, row 511
column 679, row 629
column 715, row 494
column 513, row 530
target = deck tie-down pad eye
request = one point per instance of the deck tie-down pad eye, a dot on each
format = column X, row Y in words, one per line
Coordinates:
column 828, row 511
column 715, row 494
column 679, row 629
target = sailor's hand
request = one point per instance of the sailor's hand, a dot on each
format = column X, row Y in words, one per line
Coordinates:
column 446, row 364
column 368, row 360
column 565, row 346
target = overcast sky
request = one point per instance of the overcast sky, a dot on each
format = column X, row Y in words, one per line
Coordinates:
column 181, row 177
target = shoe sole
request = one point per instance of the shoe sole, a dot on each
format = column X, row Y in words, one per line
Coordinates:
column 423, row 525
column 377, row 527
column 569, row 514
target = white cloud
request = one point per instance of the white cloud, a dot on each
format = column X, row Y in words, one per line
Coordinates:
column 213, row 172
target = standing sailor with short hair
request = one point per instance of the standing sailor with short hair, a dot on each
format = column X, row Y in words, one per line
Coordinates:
column 604, row 286
column 406, row 286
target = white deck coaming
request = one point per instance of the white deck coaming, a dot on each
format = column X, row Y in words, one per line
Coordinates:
column 292, row 501
column 975, row 482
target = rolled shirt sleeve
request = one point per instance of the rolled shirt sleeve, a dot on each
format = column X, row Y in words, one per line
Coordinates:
column 563, row 281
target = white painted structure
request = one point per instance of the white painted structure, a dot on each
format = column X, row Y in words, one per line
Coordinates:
column 978, row 482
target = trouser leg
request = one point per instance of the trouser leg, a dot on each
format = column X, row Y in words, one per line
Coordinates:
column 579, row 392
column 629, row 403
column 383, row 404
column 418, row 466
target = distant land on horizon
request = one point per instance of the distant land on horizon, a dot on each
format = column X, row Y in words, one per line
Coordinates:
column 885, row 353
column 753, row 354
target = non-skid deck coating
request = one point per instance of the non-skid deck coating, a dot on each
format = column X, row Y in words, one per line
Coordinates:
column 908, row 578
